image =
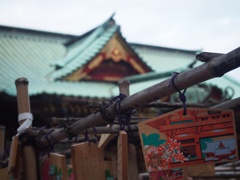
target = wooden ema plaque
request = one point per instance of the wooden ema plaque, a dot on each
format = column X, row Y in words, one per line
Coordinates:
column 4, row 174
column 174, row 140
column 88, row 162
column 58, row 166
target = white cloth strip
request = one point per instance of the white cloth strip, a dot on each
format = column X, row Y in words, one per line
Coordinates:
column 24, row 116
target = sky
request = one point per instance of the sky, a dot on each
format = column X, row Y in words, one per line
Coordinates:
column 207, row 25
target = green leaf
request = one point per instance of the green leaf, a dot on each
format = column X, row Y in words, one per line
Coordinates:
column 152, row 140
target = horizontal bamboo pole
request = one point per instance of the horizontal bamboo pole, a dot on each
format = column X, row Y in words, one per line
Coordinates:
column 60, row 121
column 228, row 104
column 98, row 130
column 78, row 140
column 230, row 164
column 216, row 67
column 173, row 105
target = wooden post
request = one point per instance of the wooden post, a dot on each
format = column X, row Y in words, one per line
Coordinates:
column 29, row 159
column 131, row 159
column 114, row 160
column 216, row 67
column 106, row 138
column 2, row 140
column 122, row 151
column 132, row 162
column 124, row 87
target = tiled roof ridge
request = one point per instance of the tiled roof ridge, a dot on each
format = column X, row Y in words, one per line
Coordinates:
column 33, row 34
column 151, row 76
column 86, row 34
column 77, row 38
column 165, row 48
column 231, row 79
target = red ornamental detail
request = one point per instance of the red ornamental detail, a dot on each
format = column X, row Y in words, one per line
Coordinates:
column 193, row 113
column 159, row 158
column 221, row 145
column 169, row 117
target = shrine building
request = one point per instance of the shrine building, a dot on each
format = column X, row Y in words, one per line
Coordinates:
column 65, row 72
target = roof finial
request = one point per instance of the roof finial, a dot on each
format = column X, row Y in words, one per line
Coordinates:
column 112, row 15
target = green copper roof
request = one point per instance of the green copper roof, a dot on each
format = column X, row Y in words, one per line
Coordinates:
column 31, row 56
column 162, row 59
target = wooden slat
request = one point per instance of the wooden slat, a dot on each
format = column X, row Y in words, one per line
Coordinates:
column 13, row 154
column 122, row 156
column 4, row 174
column 105, row 139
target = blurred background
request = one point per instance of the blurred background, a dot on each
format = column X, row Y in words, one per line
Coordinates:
column 211, row 26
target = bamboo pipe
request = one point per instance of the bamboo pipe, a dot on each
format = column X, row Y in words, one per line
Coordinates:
column 29, row 159
column 216, row 67
column 22, row 95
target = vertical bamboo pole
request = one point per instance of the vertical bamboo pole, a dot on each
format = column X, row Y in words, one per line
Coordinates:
column 29, row 159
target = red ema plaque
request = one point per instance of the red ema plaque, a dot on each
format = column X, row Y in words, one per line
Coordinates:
column 203, row 136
